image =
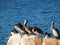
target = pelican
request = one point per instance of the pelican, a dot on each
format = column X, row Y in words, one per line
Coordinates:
column 47, row 35
column 37, row 31
column 20, row 28
column 27, row 28
column 13, row 32
column 32, row 30
column 54, row 30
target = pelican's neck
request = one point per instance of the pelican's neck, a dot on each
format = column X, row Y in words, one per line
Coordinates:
column 25, row 24
column 52, row 25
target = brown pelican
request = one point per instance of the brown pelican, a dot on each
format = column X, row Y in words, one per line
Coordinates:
column 47, row 35
column 27, row 28
column 13, row 32
column 20, row 28
column 37, row 31
column 54, row 30
column 32, row 30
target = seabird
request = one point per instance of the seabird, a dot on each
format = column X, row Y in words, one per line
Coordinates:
column 13, row 32
column 37, row 31
column 54, row 30
column 47, row 35
column 20, row 28
column 27, row 28
column 32, row 30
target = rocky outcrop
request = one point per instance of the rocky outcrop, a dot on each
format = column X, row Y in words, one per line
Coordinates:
column 51, row 41
column 25, row 39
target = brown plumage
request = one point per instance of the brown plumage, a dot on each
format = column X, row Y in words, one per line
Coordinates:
column 47, row 35
column 32, row 30
column 20, row 27
column 14, row 32
column 37, row 31
column 54, row 30
column 27, row 28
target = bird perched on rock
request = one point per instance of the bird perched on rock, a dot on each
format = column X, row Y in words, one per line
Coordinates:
column 20, row 28
column 47, row 35
column 55, row 30
column 32, row 30
column 37, row 31
column 27, row 28
column 13, row 32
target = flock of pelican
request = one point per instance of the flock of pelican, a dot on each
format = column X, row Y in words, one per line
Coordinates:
column 25, row 29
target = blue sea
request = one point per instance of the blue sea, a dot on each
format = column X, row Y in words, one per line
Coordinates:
column 39, row 13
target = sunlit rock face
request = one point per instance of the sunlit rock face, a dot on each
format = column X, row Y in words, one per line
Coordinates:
column 24, row 40
column 31, row 40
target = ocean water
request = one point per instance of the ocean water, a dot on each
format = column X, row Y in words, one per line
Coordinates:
column 39, row 13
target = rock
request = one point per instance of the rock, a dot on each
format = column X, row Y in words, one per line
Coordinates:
column 51, row 41
column 31, row 40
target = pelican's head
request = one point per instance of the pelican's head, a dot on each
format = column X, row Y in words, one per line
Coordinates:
column 25, row 22
column 52, row 25
column 13, row 32
column 47, row 34
column 52, row 22
column 18, row 26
